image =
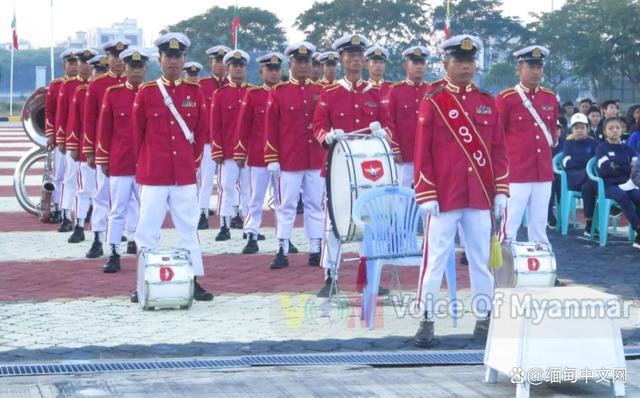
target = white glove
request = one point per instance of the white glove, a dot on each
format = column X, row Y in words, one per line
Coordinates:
column 499, row 205
column 274, row 168
column 430, row 208
column 379, row 133
column 334, row 135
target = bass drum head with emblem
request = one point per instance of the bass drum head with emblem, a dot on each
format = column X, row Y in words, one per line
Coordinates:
column 354, row 166
column 165, row 279
column 526, row 264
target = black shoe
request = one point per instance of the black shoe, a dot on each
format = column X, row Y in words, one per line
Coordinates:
column 123, row 238
column 383, row 291
column 251, row 247
column 551, row 221
column 260, row 236
column 281, row 261
column 199, row 294
column 212, row 212
column 96, row 250
column 424, row 335
column 55, row 217
column 113, row 265
column 236, row 222
column 326, row 289
column 300, row 207
column 66, row 226
column 314, row 259
column 77, row 235
column 293, row 249
column 463, row 259
column 203, row 223
column 587, row 228
column 224, row 234
column 134, row 297
column 481, row 330
column 615, row 211
column 557, row 283
column 132, row 248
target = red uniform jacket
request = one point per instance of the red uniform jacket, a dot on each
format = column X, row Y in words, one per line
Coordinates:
column 115, row 131
column 250, row 131
column 50, row 105
column 403, row 102
column 289, row 128
column 384, row 85
column 74, row 122
column 527, row 148
column 225, row 107
column 164, row 155
column 92, row 103
column 65, row 101
column 441, row 170
column 208, row 85
column 349, row 110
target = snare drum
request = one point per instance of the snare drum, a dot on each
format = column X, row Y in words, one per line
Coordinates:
column 165, row 279
column 355, row 165
column 526, row 264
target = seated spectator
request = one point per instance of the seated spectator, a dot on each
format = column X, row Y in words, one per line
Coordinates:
column 569, row 109
column 576, row 154
column 633, row 121
column 635, row 173
column 614, row 166
column 595, row 123
column 584, row 105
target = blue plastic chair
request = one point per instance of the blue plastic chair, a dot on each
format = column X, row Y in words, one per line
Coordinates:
column 603, row 207
column 390, row 218
column 567, row 207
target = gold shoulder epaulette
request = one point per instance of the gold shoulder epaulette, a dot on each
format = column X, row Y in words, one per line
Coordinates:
column 547, row 90
column 435, row 81
column 99, row 77
column 507, row 92
column 82, row 87
column 281, row 84
column 434, row 92
column 333, row 86
column 397, row 84
column 115, row 86
column 251, row 87
column 147, row 84
column 60, row 79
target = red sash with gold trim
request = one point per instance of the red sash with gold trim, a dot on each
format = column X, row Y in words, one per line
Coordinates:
column 468, row 138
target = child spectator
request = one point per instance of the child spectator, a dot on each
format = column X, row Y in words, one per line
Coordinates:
column 595, row 126
column 585, row 105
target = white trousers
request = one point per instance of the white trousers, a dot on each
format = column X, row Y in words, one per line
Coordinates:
column 100, row 214
column 86, row 189
column 183, row 205
column 58, row 175
column 231, row 180
column 312, row 185
column 476, row 225
column 259, row 179
column 405, row 174
column 534, row 198
column 123, row 190
column 69, row 183
column 207, row 175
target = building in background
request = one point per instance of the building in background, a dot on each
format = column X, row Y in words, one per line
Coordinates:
column 127, row 29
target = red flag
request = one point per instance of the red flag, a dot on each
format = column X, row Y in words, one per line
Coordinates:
column 234, row 30
column 447, row 21
column 15, row 31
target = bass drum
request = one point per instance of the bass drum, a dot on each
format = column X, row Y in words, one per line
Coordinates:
column 165, row 279
column 526, row 264
column 355, row 165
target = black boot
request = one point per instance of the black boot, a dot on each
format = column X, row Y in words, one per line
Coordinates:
column 199, row 294
column 211, row 212
column 55, row 217
column 113, row 265
column 236, row 222
column 314, row 259
column 293, row 249
column 326, row 289
column 224, row 234
column 132, row 248
column 463, row 259
column 587, row 228
column 481, row 330
column 66, row 225
column 259, row 237
column 281, row 260
column 123, row 238
column 252, row 245
column 424, row 335
column 96, row 248
column 77, row 235
column 134, row 296
column 204, row 222
column 300, row 206
column 636, row 242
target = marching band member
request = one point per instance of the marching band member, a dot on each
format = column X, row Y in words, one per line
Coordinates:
column 403, row 102
column 460, row 175
column 316, row 68
column 86, row 175
column 350, row 104
column 92, row 106
column 70, row 67
column 250, row 142
column 207, row 173
column 191, row 71
column 168, row 154
column 529, row 114
column 225, row 105
column 293, row 156
column 376, row 57
column 329, row 62
column 115, row 154
column 65, row 103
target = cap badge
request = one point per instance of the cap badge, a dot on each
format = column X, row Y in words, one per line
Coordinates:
column 275, row 60
column 536, row 53
column 136, row 56
column 221, row 52
column 302, row 50
column 466, row 45
column 103, row 61
column 417, row 52
column 377, row 51
column 173, row 44
column 237, row 55
column 194, row 68
column 355, row 40
column 119, row 46
column 86, row 53
column 331, row 57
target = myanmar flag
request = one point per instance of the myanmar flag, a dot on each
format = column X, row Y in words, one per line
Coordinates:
column 15, row 31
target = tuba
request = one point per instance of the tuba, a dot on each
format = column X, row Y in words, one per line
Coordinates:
column 33, row 122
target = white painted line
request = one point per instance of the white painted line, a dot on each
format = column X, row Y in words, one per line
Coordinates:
column 16, row 145
column 12, row 153
column 30, row 180
column 12, row 165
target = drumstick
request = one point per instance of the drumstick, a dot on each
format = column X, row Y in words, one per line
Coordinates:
column 372, row 126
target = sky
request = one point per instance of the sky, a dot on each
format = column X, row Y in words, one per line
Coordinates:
column 34, row 17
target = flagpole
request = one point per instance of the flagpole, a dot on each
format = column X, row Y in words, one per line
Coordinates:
column 52, row 63
column 11, row 84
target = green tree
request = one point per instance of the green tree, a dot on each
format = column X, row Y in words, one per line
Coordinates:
column 500, row 76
